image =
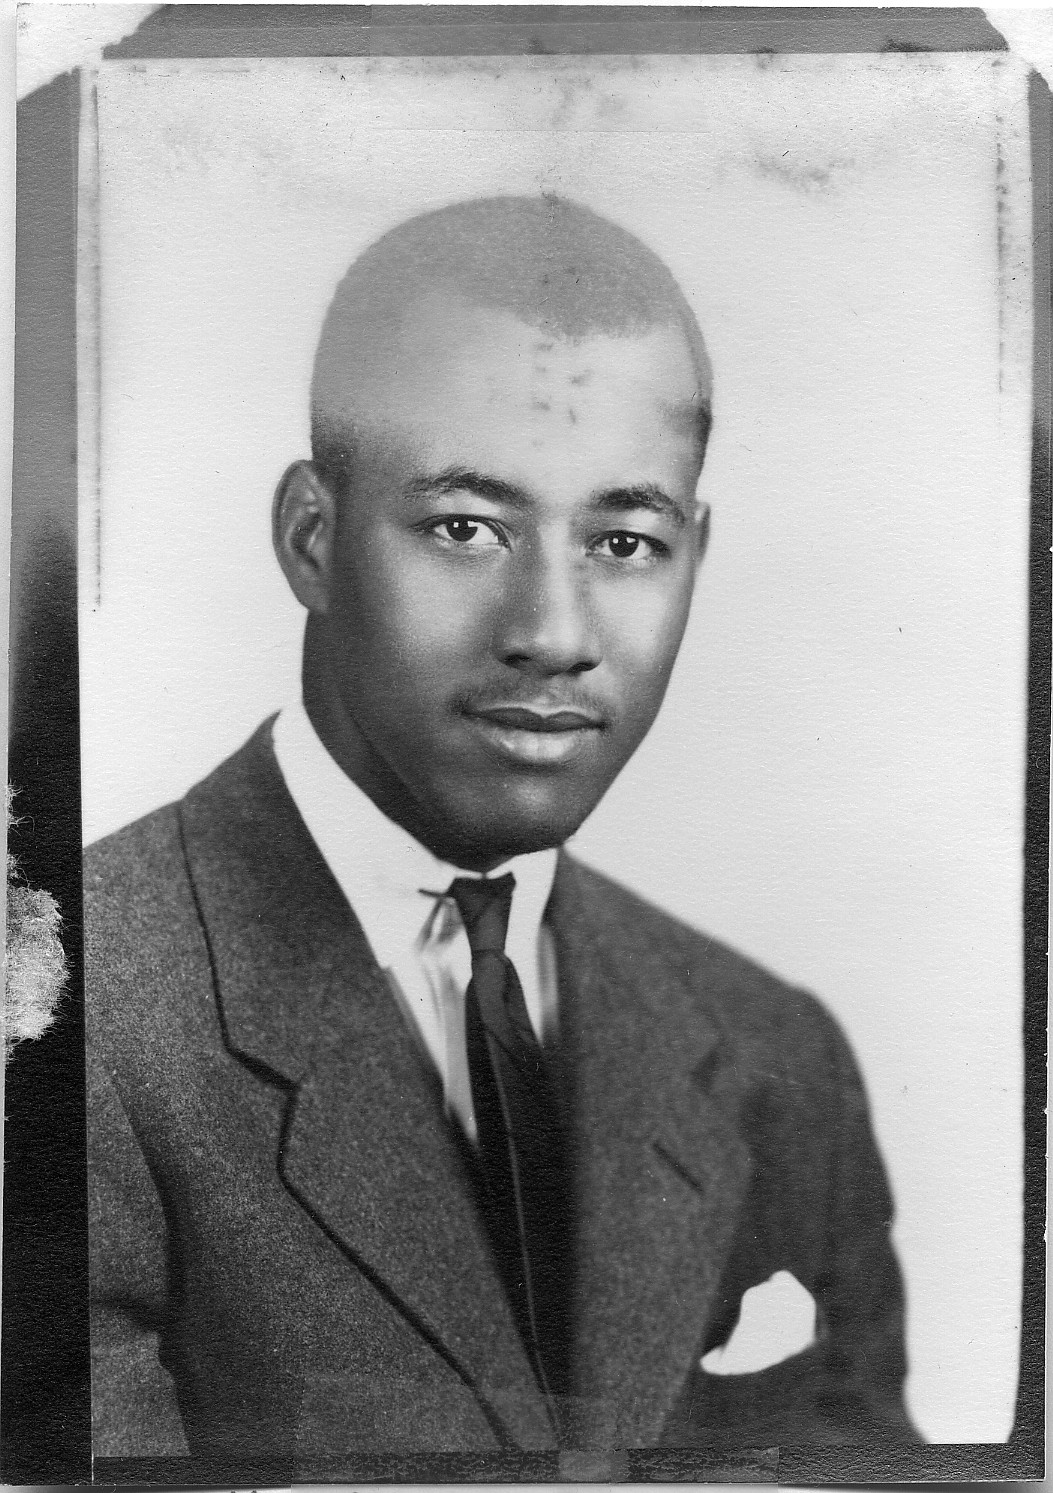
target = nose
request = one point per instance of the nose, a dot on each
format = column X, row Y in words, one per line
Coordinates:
column 547, row 625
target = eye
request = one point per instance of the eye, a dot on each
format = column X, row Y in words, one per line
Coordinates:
column 467, row 533
column 625, row 545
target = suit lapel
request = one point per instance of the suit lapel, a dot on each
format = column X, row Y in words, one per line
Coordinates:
column 366, row 1148
column 661, row 1166
column 368, row 1128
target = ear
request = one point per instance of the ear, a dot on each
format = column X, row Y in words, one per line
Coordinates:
column 702, row 532
column 303, row 529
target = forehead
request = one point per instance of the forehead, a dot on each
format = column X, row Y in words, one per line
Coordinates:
column 462, row 383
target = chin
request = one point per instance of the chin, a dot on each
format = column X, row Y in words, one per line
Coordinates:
column 525, row 823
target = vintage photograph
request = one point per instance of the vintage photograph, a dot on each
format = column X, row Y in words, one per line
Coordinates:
column 553, row 604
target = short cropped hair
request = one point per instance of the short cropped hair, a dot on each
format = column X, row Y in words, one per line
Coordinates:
column 552, row 263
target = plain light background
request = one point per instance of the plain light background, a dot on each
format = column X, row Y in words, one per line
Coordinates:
column 835, row 786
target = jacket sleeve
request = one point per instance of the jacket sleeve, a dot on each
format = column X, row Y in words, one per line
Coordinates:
column 860, row 1288
column 134, row 1407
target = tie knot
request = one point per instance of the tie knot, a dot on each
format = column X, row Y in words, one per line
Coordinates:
column 484, row 906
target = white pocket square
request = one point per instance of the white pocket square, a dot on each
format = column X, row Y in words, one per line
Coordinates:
column 776, row 1320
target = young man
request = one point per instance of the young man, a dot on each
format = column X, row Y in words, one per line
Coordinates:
column 408, row 1132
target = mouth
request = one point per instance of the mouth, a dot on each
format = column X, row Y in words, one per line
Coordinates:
column 534, row 734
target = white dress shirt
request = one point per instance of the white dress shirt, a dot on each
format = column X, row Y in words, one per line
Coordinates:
column 391, row 882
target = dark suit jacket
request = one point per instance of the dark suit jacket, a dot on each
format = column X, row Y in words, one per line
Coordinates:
column 287, row 1258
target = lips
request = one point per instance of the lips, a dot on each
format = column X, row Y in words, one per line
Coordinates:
column 529, row 718
column 535, row 735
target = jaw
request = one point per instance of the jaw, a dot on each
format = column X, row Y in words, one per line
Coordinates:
column 481, row 820
column 477, row 817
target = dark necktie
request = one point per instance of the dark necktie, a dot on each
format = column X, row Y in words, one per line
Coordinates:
column 522, row 1142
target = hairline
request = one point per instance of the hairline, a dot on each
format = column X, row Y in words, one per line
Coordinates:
column 341, row 429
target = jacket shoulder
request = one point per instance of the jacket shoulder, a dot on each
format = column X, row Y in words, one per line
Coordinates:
column 125, row 859
column 137, row 874
column 131, row 878
column 141, row 928
column 146, row 949
column 773, row 1024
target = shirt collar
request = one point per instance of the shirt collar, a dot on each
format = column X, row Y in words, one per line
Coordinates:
column 380, row 868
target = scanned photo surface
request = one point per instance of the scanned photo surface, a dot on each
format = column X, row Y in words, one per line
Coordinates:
column 553, row 643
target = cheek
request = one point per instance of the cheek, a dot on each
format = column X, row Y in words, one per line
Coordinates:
column 407, row 614
column 643, row 626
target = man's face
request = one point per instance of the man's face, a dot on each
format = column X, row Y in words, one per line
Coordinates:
column 511, row 574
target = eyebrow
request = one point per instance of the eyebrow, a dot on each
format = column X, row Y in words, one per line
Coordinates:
column 464, row 479
column 646, row 495
column 638, row 495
